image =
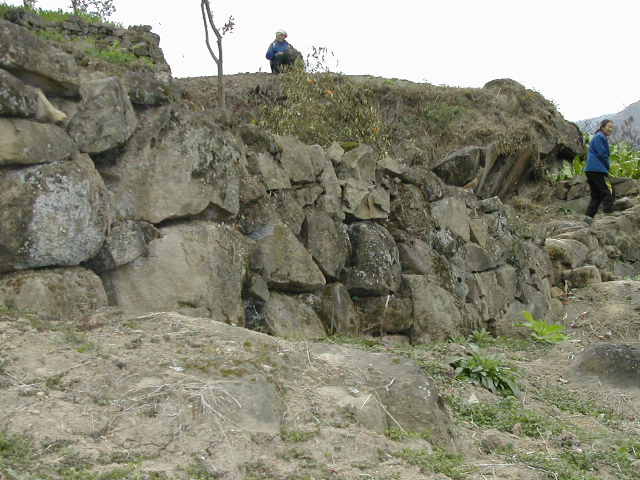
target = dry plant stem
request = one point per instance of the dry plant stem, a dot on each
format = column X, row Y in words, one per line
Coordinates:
column 207, row 19
column 390, row 416
column 308, row 353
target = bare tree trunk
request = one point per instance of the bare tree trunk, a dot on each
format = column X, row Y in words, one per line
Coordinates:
column 207, row 19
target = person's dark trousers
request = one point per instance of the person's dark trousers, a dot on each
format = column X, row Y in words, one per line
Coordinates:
column 600, row 193
column 280, row 61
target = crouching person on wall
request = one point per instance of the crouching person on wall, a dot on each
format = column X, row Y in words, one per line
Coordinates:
column 281, row 53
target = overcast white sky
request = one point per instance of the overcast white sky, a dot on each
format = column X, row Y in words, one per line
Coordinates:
column 582, row 54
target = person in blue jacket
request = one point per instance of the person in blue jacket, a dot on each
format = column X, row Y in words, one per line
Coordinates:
column 281, row 53
column 597, row 170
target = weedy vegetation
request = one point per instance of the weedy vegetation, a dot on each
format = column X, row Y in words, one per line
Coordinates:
column 319, row 106
column 52, row 15
column 489, row 371
column 439, row 461
column 113, row 52
column 543, row 331
column 624, row 159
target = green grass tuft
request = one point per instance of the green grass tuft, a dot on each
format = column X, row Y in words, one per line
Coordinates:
column 505, row 415
column 440, row 461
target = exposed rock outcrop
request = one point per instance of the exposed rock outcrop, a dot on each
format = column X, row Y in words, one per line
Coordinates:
column 55, row 214
column 183, row 210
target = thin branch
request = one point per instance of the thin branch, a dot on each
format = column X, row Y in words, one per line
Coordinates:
column 204, row 5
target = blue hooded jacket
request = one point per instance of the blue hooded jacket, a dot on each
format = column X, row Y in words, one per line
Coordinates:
column 598, row 159
column 276, row 47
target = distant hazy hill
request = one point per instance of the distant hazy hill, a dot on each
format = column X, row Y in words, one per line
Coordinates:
column 627, row 124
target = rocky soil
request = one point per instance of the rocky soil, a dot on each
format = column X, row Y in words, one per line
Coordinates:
column 162, row 395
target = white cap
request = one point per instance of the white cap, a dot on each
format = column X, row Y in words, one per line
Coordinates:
column 282, row 31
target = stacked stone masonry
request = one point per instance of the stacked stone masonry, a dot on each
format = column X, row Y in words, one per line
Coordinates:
column 108, row 204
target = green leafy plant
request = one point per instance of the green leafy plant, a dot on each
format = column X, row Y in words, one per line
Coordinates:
column 625, row 161
column 542, row 331
column 482, row 338
column 489, row 371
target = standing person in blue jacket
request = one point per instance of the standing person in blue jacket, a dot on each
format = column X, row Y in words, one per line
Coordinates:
column 280, row 52
column 597, row 170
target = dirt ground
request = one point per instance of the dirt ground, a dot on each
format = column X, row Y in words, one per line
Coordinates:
column 156, row 396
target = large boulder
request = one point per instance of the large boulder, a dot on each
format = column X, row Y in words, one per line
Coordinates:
column 621, row 232
column 145, row 88
column 125, row 241
column 337, row 311
column 196, row 265
column 477, row 259
column 431, row 186
column 55, row 294
column 383, row 315
column 175, row 165
column 410, row 210
column 284, row 262
column 37, row 61
column 506, row 168
column 582, row 276
column 358, row 164
column 16, row 98
column 364, row 201
column 374, row 266
column 567, row 252
column 273, row 176
column 53, row 214
column 331, row 199
column 451, row 213
column 105, row 118
column 327, row 241
column 280, row 207
column 616, row 364
column 23, row 142
column 479, row 231
column 301, row 162
column 492, row 291
column 409, row 399
column 461, row 167
column 292, row 318
column 207, row 380
column 416, row 257
column 436, row 316
column 20, row 100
